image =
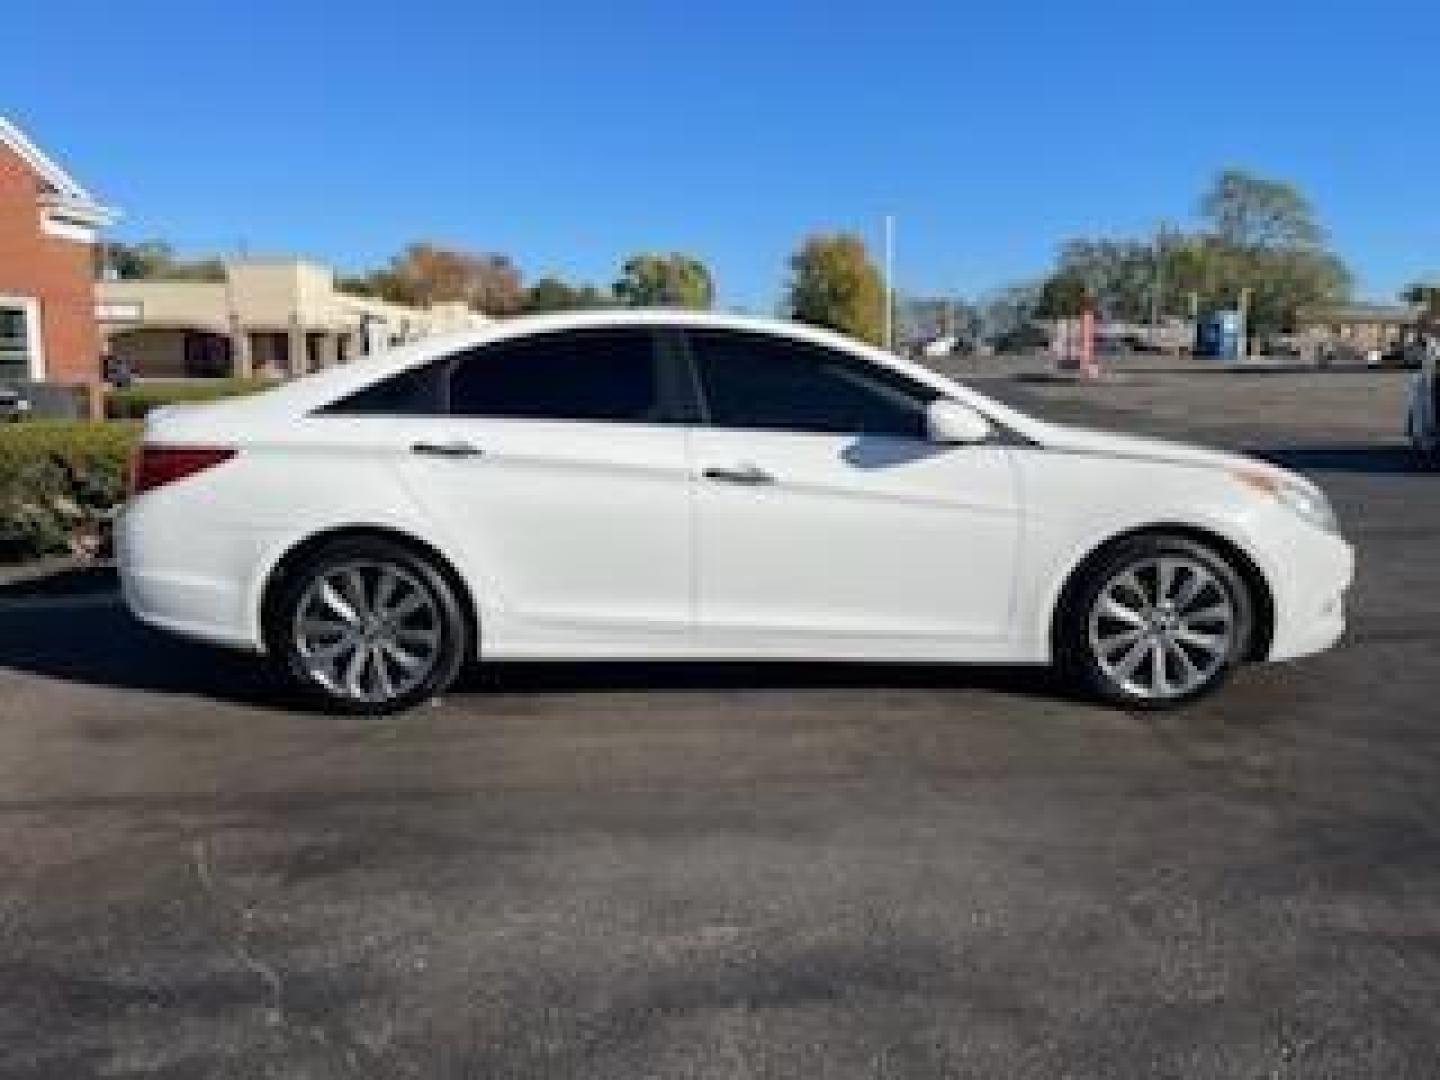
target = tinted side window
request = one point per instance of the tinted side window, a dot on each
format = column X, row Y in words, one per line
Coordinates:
column 417, row 392
column 573, row 375
column 757, row 381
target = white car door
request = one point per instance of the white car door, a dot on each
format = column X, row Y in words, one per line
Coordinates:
column 560, row 470
column 826, row 524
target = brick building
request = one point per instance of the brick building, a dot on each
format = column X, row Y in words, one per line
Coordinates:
column 48, row 230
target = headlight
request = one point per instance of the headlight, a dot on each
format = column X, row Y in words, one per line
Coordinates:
column 1307, row 501
column 1311, row 504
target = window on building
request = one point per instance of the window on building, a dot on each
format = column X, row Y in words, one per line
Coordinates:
column 17, row 341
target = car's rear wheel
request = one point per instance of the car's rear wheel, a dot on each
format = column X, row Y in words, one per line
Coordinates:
column 367, row 625
column 1155, row 621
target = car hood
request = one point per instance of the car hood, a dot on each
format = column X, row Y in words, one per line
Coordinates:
column 1077, row 440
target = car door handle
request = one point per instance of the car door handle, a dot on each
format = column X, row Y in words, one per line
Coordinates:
column 457, row 449
column 743, row 474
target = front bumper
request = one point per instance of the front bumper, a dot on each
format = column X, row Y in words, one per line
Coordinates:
column 1314, row 572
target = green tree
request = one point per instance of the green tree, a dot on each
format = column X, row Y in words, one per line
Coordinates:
column 1260, row 236
column 1425, row 296
column 357, row 284
column 154, row 260
column 1120, row 275
column 1007, row 315
column 552, row 294
column 1064, row 295
column 834, row 284
column 1281, row 281
column 1244, row 210
column 673, row 280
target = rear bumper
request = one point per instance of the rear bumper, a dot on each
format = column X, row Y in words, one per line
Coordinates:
column 180, row 576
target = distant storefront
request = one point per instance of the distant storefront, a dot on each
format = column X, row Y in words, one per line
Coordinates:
column 1355, row 328
column 268, row 317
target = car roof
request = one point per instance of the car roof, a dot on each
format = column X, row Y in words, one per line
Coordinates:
column 301, row 396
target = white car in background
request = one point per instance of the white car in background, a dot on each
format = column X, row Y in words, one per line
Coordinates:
column 664, row 484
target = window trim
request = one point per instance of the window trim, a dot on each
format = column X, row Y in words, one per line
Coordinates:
column 675, row 341
column 431, row 367
column 924, row 392
column 674, row 397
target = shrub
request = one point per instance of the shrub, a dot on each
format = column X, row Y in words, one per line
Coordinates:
column 61, row 484
column 134, row 401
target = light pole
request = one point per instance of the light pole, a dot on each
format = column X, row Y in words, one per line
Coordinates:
column 1157, row 301
column 890, row 282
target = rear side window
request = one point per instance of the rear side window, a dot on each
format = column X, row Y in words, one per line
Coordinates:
column 592, row 375
column 775, row 384
column 417, row 392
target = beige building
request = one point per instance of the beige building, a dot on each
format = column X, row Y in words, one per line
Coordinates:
column 1354, row 328
column 269, row 317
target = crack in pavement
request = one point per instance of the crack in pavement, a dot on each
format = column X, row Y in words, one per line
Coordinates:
column 275, row 1012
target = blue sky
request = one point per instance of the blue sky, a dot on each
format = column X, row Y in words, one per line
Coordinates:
column 568, row 134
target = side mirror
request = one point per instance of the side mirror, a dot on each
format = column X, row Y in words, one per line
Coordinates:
column 953, row 423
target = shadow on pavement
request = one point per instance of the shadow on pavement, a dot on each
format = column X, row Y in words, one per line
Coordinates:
column 92, row 639
column 662, row 676
column 73, row 627
column 1343, row 457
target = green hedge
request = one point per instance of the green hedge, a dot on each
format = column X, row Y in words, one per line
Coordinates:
column 61, row 484
column 134, row 401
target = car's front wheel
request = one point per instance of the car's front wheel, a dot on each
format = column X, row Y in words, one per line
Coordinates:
column 367, row 625
column 1155, row 621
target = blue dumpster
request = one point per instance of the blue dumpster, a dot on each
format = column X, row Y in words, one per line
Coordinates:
column 1217, row 335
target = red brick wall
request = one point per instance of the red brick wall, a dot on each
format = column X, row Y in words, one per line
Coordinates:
column 58, row 273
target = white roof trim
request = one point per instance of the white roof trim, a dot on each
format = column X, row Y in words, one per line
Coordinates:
column 67, row 192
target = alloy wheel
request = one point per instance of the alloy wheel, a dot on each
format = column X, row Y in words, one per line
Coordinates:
column 1163, row 627
column 368, row 631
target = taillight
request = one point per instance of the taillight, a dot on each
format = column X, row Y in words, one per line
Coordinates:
column 155, row 465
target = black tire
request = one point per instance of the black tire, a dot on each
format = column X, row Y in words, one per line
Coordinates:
column 1077, row 653
column 441, row 606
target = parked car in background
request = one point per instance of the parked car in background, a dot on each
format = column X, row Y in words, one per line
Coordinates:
column 1398, row 356
column 666, row 485
column 1422, row 416
column 1022, row 339
column 1280, row 347
column 14, row 404
column 940, row 347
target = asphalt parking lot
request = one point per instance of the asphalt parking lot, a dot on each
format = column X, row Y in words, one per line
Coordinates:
column 740, row 871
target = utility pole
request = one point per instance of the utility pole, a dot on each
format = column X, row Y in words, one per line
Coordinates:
column 1243, row 329
column 890, row 282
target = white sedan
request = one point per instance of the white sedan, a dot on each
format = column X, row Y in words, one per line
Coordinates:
column 663, row 484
